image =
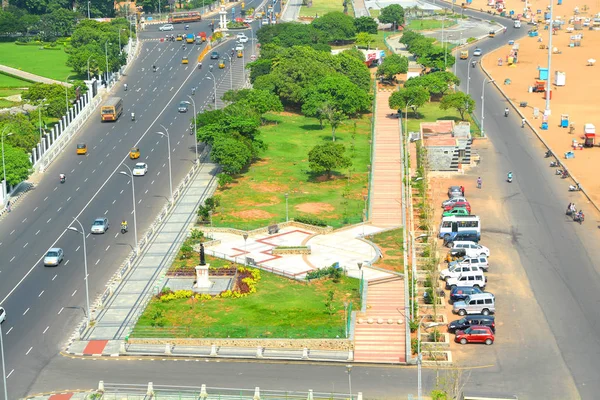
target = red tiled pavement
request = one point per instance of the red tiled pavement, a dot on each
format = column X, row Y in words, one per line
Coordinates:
column 95, row 347
column 62, row 396
column 382, row 343
column 386, row 194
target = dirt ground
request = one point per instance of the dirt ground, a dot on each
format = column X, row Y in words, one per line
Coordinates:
column 314, row 208
column 578, row 98
column 518, row 5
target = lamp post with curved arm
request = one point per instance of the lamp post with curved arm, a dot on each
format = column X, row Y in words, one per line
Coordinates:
column 195, row 129
column 169, row 149
column 486, row 80
column 3, row 164
column 87, row 289
column 212, row 77
column 130, row 175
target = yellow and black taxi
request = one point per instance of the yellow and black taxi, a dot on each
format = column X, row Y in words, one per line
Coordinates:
column 82, row 149
column 134, row 153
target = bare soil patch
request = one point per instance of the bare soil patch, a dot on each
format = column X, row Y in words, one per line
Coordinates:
column 253, row 214
column 268, row 187
column 314, row 208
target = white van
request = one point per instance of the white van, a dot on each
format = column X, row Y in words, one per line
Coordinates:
column 517, row 24
column 479, row 303
column 459, row 224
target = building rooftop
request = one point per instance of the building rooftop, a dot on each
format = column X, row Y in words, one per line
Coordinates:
column 437, row 127
column 439, row 141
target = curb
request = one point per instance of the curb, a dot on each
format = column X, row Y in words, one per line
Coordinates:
column 16, row 198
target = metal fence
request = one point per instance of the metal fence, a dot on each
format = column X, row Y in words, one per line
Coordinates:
column 241, row 332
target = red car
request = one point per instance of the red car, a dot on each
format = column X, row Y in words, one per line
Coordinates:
column 464, row 204
column 475, row 334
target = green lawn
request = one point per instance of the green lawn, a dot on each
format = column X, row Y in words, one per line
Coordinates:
column 320, row 7
column 429, row 24
column 257, row 198
column 280, row 308
column 431, row 112
column 390, row 243
column 46, row 63
column 4, row 92
column 7, row 82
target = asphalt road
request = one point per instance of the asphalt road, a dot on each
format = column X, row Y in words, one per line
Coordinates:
column 44, row 304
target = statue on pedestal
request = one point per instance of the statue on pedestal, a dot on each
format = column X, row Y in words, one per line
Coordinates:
column 202, row 257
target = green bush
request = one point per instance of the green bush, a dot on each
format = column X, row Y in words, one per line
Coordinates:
column 471, row 40
column 186, row 251
column 438, row 395
column 330, row 272
column 414, row 345
column 435, row 336
column 309, row 220
column 413, row 325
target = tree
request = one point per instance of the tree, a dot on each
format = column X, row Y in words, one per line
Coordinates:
column 354, row 52
column 324, row 158
column 291, row 34
column 59, row 22
column 437, row 57
column 260, row 67
column 414, row 97
column 461, row 102
column 231, row 154
column 334, row 117
column 436, row 83
column 354, row 68
column 336, row 25
column 365, row 24
column 341, row 95
column 364, row 39
column 258, row 101
column 394, row 13
column 18, row 166
column 392, row 65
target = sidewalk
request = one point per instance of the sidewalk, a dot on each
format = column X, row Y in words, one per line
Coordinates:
column 30, row 77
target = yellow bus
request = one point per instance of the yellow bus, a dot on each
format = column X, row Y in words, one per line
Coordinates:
column 112, row 109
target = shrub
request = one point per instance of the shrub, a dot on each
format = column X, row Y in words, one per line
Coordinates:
column 413, row 325
column 309, row 220
column 186, row 251
column 414, row 345
column 329, row 272
column 439, row 395
column 435, row 336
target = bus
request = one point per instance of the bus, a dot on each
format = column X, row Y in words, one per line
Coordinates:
column 459, row 224
column 112, row 109
column 184, row 17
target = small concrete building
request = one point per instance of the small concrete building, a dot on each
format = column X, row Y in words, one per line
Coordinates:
column 448, row 144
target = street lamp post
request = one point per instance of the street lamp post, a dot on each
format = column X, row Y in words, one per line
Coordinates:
column 245, row 236
column 230, row 71
column 252, row 39
column 4, row 165
column 349, row 370
column 3, row 364
column 287, row 215
column 67, row 92
column 469, row 73
column 195, row 129
column 87, row 289
column 210, row 214
column 88, row 66
column 130, row 175
column 88, row 9
column 214, row 85
column 169, row 149
column 120, row 30
column 486, row 80
column 106, row 56
column 548, row 87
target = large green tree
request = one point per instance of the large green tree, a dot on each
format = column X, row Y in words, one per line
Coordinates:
column 413, row 97
column 354, row 68
column 366, row 24
column 291, row 34
column 394, row 13
column 258, row 101
column 18, row 166
column 337, row 26
column 461, row 102
column 436, row 83
column 392, row 65
column 233, row 155
column 339, row 92
column 325, row 158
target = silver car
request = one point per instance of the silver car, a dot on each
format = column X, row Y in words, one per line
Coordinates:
column 53, row 257
column 100, row 225
column 454, row 191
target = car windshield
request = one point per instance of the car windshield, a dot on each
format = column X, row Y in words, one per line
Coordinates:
column 461, row 321
column 81, row 146
column 52, row 254
column 139, row 165
column 98, row 222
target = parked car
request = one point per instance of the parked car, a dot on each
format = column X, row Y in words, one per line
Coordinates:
column 453, row 200
column 53, row 257
column 140, row 169
column 457, row 211
column 462, row 204
column 468, row 278
column 455, row 254
column 480, row 261
column 480, row 303
column 472, row 320
column 100, row 225
column 455, row 191
column 475, row 334
column 456, row 270
column 166, row 27
column 471, row 236
column 472, row 249
column 459, row 293
column 214, row 55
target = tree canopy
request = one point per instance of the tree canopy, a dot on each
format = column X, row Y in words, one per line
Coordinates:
column 436, row 83
column 366, row 25
column 324, row 158
column 336, row 26
column 461, row 102
column 392, row 65
column 18, row 166
column 413, row 97
column 394, row 13
column 427, row 53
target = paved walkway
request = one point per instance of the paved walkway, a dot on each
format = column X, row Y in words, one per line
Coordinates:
column 30, row 77
column 386, row 195
column 360, row 10
column 380, row 333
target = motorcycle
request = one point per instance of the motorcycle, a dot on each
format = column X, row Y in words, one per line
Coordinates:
column 63, row 179
column 506, row 113
column 473, row 64
column 132, row 116
column 578, row 218
column 574, row 188
column 559, row 172
column 123, row 229
column 548, row 154
column 564, row 175
column 554, row 164
column 125, row 87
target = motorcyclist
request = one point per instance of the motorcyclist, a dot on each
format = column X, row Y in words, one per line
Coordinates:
column 523, row 123
column 506, row 112
column 133, row 116
column 125, row 86
column 473, row 63
column 509, row 176
column 479, row 182
column 199, row 65
column 154, row 68
column 62, row 177
column 193, row 91
column 124, row 225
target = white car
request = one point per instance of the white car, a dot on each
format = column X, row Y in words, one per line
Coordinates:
column 469, row 278
column 477, row 52
column 140, row 169
column 167, row 27
column 248, row 20
column 456, row 270
column 242, row 39
column 472, row 249
column 53, row 257
column 239, row 47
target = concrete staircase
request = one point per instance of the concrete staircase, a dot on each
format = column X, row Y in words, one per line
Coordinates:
column 382, row 342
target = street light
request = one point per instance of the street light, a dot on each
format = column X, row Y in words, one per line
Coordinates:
column 245, row 236
column 548, row 87
column 486, row 80
column 214, row 85
column 406, row 117
column 169, row 149
column 130, row 175
column 87, row 290
column 287, row 216
column 445, row 43
column 106, row 56
column 120, row 30
column 210, row 214
column 4, row 165
column 230, row 71
column 349, row 370
column 195, row 129
column 252, row 40
column 3, row 364
column 88, row 66
column 40, row 124
column 89, row 9
column 67, row 92
column 469, row 73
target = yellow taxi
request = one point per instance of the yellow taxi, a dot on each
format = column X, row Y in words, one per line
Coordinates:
column 240, row 54
column 221, row 64
column 184, row 60
column 179, row 38
column 134, row 153
column 82, row 149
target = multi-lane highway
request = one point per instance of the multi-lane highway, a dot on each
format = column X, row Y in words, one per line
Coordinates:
column 44, row 304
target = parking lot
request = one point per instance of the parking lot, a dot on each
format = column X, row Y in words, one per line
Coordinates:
column 523, row 340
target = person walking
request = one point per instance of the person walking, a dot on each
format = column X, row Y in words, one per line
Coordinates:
column 479, row 183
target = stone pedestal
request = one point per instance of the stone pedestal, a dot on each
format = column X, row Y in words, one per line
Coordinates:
column 202, row 281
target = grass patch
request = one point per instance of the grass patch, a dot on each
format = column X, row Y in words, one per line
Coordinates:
column 431, row 112
column 47, row 63
column 429, row 24
column 390, row 243
column 257, row 198
column 7, row 82
column 7, row 103
column 321, row 7
column 374, row 13
column 5, row 92
column 280, row 308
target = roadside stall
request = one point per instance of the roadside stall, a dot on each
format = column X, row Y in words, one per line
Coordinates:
column 589, row 131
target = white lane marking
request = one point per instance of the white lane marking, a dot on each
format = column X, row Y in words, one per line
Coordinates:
column 46, row 198
column 150, row 127
column 164, row 165
column 35, row 208
column 10, row 373
column 61, row 310
column 55, row 277
column 105, row 212
column 146, row 191
column 179, row 141
column 78, row 247
column 13, row 231
column 41, row 293
column 74, row 293
column 38, row 232
column 55, row 189
column 121, row 191
column 11, row 328
column 158, row 173
column 73, row 170
column 152, row 183
column 69, row 198
column 11, row 260
column 93, row 172
column 49, row 219
column 46, row 330
column 24, row 221
column 97, row 261
column 107, row 247
column 77, row 189
column 85, row 180
column 25, row 245
column 59, row 208
column 152, row 150
column 80, row 162
column 102, row 161
column 114, row 147
column 29, row 351
column 26, row 311
column 140, row 201
column 94, row 147
column 67, row 262
column 88, row 235
column 114, row 201
column 116, row 234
